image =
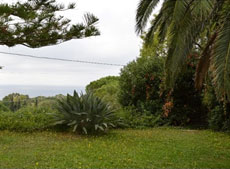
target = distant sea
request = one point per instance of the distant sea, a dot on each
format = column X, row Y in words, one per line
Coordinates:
column 34, row 91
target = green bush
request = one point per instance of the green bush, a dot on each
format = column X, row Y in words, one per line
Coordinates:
column 140, row 84
column 85, row 114
column 26, row 119
column 101, row 82
column 134, row 119
column 216, row 118
column 183, row 104
column 218, row 112
column 3, row 108
column 140, row 87
column 15, row 101
column 48, row 104
column 107, row 89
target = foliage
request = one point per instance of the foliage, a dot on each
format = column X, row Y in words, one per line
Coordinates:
column 132, row 118
column 85, row 113
column 36, row 23
column 52, row 104
column 26, row 119
column 183, row 24
column 155, row 49
column 183, row 104
column 216, row 118
column 140, row 83
column 140, row 87
column 107, row 89
column 218, row 112
column 15, row 101
column 101, row 82
column 3, row 108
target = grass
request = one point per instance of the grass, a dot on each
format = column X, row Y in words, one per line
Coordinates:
column 150, row 148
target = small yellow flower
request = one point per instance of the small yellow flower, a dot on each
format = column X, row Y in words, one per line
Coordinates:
column 37, row 163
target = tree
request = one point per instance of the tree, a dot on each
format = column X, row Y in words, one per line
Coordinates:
column 35, row 23
column 15, row 101
column 183, row 23
column 140, row 79
column 107, row 89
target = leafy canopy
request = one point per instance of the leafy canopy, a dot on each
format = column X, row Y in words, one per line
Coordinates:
column 183, row 23
column 35, row 23
column 107, row 89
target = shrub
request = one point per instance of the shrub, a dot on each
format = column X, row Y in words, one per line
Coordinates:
column 140, row 84
column 85, row 114
column 132, row 118
column 107, row 89
column 101, row 82
column 183, row 104
column 26, row 119
column 48, row 104
column 3, row 108
column 15, row 101
column 218, row 112
column 216, row 118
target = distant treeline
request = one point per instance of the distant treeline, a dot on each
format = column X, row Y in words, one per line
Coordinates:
column 15, row 101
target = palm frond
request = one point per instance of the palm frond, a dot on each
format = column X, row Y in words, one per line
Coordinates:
column 221, row 60
column 184, row 31
column 180, row 10
column 181, row 38
column 161, row 22
column 202, row 9
column 144, row 11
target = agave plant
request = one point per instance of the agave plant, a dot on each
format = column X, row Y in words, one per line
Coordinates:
column 85, row 113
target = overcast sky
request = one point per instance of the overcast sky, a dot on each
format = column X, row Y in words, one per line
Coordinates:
column 118, row 44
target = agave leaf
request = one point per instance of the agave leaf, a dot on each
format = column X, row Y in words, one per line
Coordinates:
column 75, row 127
column 84, row 130
column 111, row 124
column 105, row 125
column 96, row 126
column 59, row 122
column 79, row 114
column 84, row 113
column 101, row 128
column 72, row 123
column 75, row 94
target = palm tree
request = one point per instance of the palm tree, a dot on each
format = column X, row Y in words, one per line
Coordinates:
column 188, row 25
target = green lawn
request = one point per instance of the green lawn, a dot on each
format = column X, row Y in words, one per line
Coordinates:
column 151, row 148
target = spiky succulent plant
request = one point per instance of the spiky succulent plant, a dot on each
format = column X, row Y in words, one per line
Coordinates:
column 85, row 113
